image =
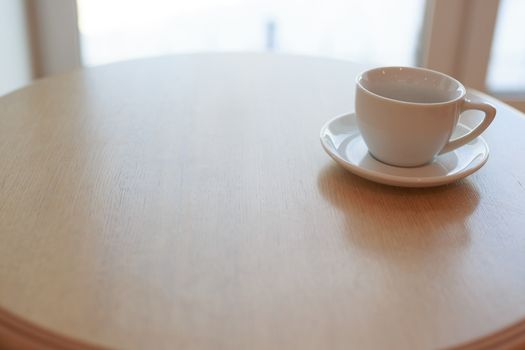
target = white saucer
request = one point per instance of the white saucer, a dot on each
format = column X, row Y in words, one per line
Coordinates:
column 343, row 142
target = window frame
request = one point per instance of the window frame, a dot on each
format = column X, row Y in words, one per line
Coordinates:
column 459, row 37
column 54, row 36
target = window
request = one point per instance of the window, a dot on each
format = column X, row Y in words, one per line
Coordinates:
column 374, row 31
column 506, row 71
column 453, row 36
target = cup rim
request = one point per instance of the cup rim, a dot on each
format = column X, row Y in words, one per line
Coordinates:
column 461, row 86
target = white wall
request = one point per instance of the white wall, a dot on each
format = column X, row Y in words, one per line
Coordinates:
column 15, row 55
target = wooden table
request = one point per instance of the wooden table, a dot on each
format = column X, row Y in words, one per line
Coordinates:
column 186, row 203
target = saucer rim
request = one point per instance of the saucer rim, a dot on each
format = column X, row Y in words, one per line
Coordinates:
column 397, row 180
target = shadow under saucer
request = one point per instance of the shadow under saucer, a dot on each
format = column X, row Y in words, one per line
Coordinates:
column 394, row 221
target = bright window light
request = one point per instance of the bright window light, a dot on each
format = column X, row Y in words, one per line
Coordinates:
column 372, row 31
column 506, row 73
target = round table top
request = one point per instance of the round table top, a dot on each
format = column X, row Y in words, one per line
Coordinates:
column 186, row 202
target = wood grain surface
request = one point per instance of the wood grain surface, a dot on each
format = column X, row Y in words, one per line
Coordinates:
column 186, row 203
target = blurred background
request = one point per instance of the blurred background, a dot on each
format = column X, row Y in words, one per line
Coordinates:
column 480, row 42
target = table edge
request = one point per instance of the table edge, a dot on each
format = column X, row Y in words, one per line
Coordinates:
column 37, row 336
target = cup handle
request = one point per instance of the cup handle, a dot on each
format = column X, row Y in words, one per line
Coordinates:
column 490, row 113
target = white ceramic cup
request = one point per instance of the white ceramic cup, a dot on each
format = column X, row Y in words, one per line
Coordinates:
column 407, row 115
